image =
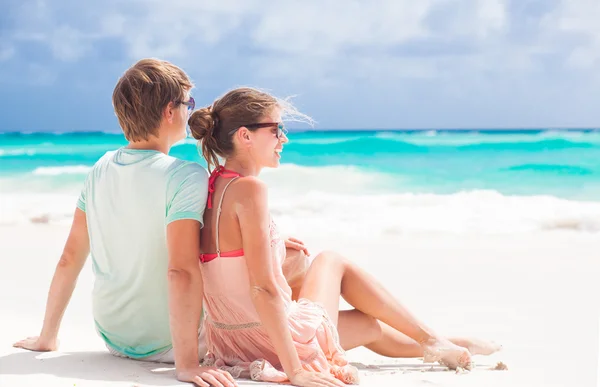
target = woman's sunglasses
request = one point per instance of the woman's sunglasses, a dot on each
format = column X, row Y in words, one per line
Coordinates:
column 281, row 130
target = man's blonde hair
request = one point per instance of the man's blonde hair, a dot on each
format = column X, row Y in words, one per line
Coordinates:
column 142, row 94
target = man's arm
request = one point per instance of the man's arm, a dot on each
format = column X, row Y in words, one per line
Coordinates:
column 185, row 290
column 185, row 305
column 187, row 191
column 67, row 271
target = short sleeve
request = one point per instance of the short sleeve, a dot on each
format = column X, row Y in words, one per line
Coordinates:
column 82, row 197
column 187, row 192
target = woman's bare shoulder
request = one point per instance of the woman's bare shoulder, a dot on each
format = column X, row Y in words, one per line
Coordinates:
column 250, row 190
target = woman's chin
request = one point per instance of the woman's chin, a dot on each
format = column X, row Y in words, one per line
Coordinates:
column 276, row 162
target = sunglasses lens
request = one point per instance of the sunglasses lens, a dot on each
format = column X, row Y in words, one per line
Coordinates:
column 281, row 130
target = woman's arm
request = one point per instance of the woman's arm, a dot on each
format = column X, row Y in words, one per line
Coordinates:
column 63, row 283
column 253, row 215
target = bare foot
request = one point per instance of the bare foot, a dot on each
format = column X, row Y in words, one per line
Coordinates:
column 447, row 354
column 482, row 347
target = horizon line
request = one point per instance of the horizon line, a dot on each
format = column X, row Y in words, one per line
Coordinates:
column 304, row 130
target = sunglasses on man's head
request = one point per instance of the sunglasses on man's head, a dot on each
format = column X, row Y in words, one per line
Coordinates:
column 281, row 130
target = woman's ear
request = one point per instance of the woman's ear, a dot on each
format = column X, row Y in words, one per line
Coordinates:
column 244, row 135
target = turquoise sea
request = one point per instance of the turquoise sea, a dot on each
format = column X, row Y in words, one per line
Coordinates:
column 485, row 172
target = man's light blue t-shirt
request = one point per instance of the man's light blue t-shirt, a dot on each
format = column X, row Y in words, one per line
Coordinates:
column 129, row 197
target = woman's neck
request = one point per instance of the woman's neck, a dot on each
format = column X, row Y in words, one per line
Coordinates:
column 242, row 167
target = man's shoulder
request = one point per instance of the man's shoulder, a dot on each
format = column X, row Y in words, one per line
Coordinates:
column 102, row 162
column 183, row 170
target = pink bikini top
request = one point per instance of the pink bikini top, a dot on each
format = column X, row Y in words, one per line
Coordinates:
column 220, row 171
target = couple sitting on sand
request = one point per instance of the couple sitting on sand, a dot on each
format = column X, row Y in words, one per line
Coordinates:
column 190, row 269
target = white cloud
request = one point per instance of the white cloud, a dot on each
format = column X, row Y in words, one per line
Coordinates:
column 327, row 28
column 490, row 17
column 34, row 22
column 575, row 24
column 319, row 40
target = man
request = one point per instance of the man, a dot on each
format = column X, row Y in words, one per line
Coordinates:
column 139, row 217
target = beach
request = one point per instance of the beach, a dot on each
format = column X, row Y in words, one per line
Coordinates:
column 449, row 148
column 491, row 234
column 536, row 294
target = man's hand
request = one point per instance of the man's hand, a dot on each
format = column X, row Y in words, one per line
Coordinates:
column 206, row 377
column 67, row 271
column 37, row 344
column 295, row 244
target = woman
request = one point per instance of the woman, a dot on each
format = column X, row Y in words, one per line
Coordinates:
column 254, row 328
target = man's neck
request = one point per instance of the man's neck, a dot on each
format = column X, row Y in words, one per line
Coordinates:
column 162, row 145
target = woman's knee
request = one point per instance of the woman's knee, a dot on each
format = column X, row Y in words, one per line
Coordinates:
column 329, row 259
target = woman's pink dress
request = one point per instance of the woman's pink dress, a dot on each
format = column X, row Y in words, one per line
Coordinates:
column 236, row 338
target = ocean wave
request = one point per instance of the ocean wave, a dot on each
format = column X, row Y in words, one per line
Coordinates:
column 60, row 133
column 189, row 141
column 299, row 179
column 378, row 145
column 17, row 152
column 562, row 169
column 450, row 139
column 344, row 142
column 360, row 215
column 324, row 140
column 472, row 212
column 64, row 170
column 534, row 146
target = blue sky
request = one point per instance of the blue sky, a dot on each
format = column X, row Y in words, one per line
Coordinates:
column 350, row 64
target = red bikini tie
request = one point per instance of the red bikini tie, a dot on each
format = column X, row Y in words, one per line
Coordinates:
column 219, row 171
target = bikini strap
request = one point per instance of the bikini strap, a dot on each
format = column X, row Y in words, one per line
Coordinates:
column 219, row 171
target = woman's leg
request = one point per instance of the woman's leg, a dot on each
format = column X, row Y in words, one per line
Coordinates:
column 330, row 276
column 357, row 329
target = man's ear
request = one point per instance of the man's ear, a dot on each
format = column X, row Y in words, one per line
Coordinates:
column 169, row 112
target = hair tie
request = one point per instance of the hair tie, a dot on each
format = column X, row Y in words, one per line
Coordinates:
column 214, row 116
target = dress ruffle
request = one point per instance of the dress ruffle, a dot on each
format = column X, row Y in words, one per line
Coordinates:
column 245, row 351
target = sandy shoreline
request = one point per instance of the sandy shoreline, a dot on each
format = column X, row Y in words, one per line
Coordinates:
column 537, row 294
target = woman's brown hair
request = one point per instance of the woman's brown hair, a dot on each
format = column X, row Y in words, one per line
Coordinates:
column 215, row 125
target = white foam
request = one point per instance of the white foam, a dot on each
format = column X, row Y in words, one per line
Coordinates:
column 351, row 201
column 17, row 152
column 473, row 212
column 296, row 179
column 65, row 170
column 435, row 138
column 324, row 141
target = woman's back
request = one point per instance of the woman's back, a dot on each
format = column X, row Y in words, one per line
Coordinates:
column 222, row 258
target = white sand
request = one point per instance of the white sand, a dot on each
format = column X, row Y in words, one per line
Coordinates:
column 537, row 294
